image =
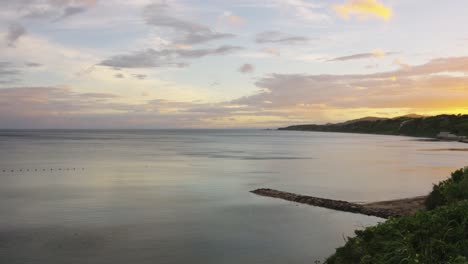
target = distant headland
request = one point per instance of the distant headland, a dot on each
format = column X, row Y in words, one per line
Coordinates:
column 441, row 127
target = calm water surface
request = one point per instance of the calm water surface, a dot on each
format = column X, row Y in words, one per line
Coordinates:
column 182, row 196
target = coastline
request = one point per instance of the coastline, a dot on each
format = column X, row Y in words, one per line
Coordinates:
column 438, row 128
column 416, row 138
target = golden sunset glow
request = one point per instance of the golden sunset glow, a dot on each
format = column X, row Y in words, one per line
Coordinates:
column 363, row 8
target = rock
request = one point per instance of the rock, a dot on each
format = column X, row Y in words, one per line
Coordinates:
column 327, row 203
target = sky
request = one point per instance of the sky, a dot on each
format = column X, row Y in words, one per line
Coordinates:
column 228, row 63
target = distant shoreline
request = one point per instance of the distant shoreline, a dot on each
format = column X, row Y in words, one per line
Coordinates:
column 436, row 128
column 417, row 138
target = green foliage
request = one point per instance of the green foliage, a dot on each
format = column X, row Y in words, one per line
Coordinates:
column 439, row 235
column 449, row 191
column 409, row 126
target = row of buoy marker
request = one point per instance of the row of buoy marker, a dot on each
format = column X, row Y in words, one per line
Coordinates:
column 52, row 169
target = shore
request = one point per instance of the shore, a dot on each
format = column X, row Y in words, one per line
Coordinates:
column 383, row 209
column 402, row 207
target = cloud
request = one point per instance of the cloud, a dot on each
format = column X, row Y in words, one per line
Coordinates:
column 375, row 54
column 70, row 11
column 272, row 51
column 36, row 101
column 119, row 76
column 202, row 36
column 372, row 66
column 140, row 76
column 144, row 59
column 15, row 31
column 246, row 68
column 61, row 3
column 62, row 107
column 43, row 107
column 8, row 73
column 151, row 58
column 429, row 88
column 160, row 15
column 305, row 10
column 422, row 88
column 53, row 10
column 32, row 64
column 279, row 38
column 363, row 9
column 232, row 19
column 402, row 63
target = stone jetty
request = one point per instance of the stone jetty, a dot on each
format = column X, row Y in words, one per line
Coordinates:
column 372, row 209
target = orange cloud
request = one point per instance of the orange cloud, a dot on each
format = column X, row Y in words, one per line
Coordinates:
column 379, row 53
column 402, row 63
column 363, row 9
column 182, row 46
column 233, row 19
column 272, row 51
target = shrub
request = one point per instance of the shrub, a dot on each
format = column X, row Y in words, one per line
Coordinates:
column 437, row 236
column 451, row 190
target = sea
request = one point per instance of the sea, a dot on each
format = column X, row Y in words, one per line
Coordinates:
column 183, row 196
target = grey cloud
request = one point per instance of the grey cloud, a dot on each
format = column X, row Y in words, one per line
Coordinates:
column 372, row 66
column 70, row 11
column 15, row 31
column 203, row 36
column 8, row 73
column 144, row 59
column 451, row 64
column 151, row 58
column 394, row 89
column 160, row 15
column 37, row 100
column 279, row 38
column 119, row 76
column 198, row 53
column 246, row 68
column 41, row 14
column 20, row 101
column 60, row 3
column 59, row 107
column 359, row 56
column 53, row 10
column 140, row 76
column 6, row 68
column 32, row 64
column 97, row 95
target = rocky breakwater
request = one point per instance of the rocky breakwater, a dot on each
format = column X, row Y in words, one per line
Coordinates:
column 329, row 203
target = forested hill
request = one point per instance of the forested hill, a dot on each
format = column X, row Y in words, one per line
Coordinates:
column 405, row 125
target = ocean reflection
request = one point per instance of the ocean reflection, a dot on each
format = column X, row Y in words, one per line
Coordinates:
column 178, row 196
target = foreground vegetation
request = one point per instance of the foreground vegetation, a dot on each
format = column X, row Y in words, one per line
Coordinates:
column 449, row 191
column 438, row 235
column 405, row 125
